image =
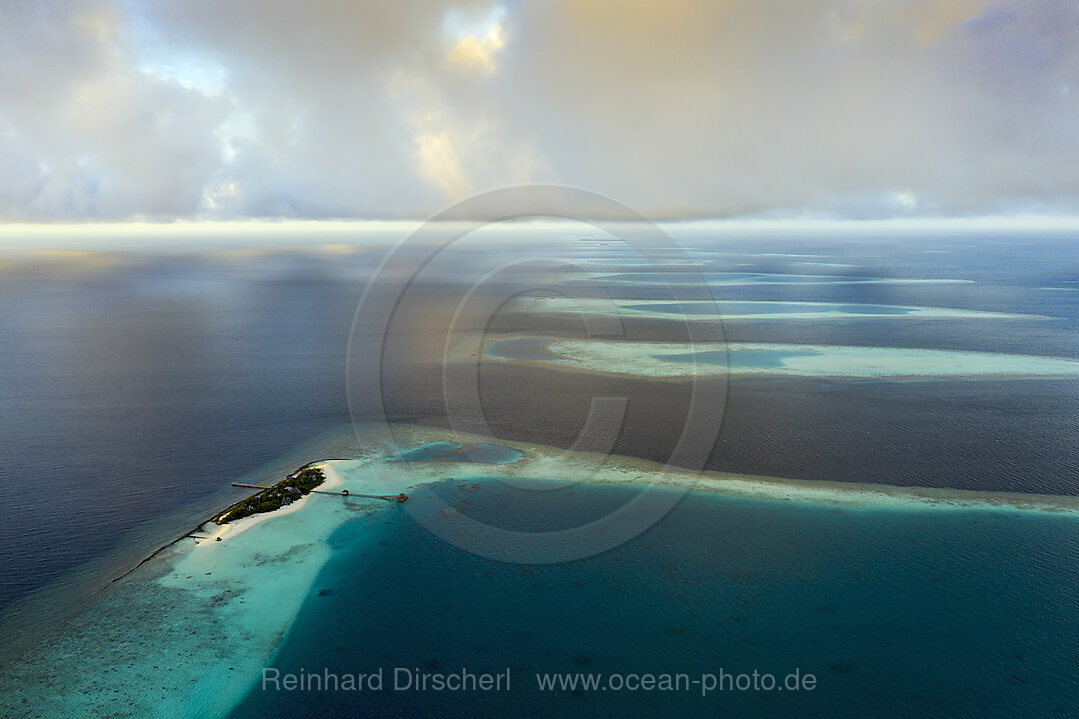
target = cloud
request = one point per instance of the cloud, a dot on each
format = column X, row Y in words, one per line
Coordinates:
column 85, row 134
column 689, row 108
column 475, row 53
column 712, row 108
column 441, row 164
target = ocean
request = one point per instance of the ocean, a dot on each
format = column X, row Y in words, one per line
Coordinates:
column 893, row 613
column 134, row 387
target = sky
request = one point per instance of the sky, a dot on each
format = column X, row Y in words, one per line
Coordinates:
column 161, row 110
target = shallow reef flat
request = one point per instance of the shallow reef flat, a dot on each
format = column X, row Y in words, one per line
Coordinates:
column 682, row 361
column 695, row 310
column 733, row 279
column 188, row 632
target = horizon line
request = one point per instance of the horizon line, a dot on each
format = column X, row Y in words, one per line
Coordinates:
column 283, row 224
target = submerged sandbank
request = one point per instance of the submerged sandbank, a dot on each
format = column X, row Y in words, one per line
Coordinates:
column 711, row 278
column 571, row 467
column 188, row 632
column 680, row 361
column 699, row 310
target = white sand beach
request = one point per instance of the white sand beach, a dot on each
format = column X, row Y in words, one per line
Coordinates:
column 222, row 532
column 198, row 622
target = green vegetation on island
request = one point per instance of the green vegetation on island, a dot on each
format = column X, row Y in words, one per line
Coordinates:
column 281, row 494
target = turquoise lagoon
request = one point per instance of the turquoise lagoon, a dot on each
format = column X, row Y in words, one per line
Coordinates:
column 895, row 613
column 922, row 601
column 479, row 452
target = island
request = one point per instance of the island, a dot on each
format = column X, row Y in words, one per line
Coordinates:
column 270, row 499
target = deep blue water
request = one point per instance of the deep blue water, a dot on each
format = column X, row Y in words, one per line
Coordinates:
column 956, row 614
column 163, row 375
column 131, row 394
column 136, row 392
